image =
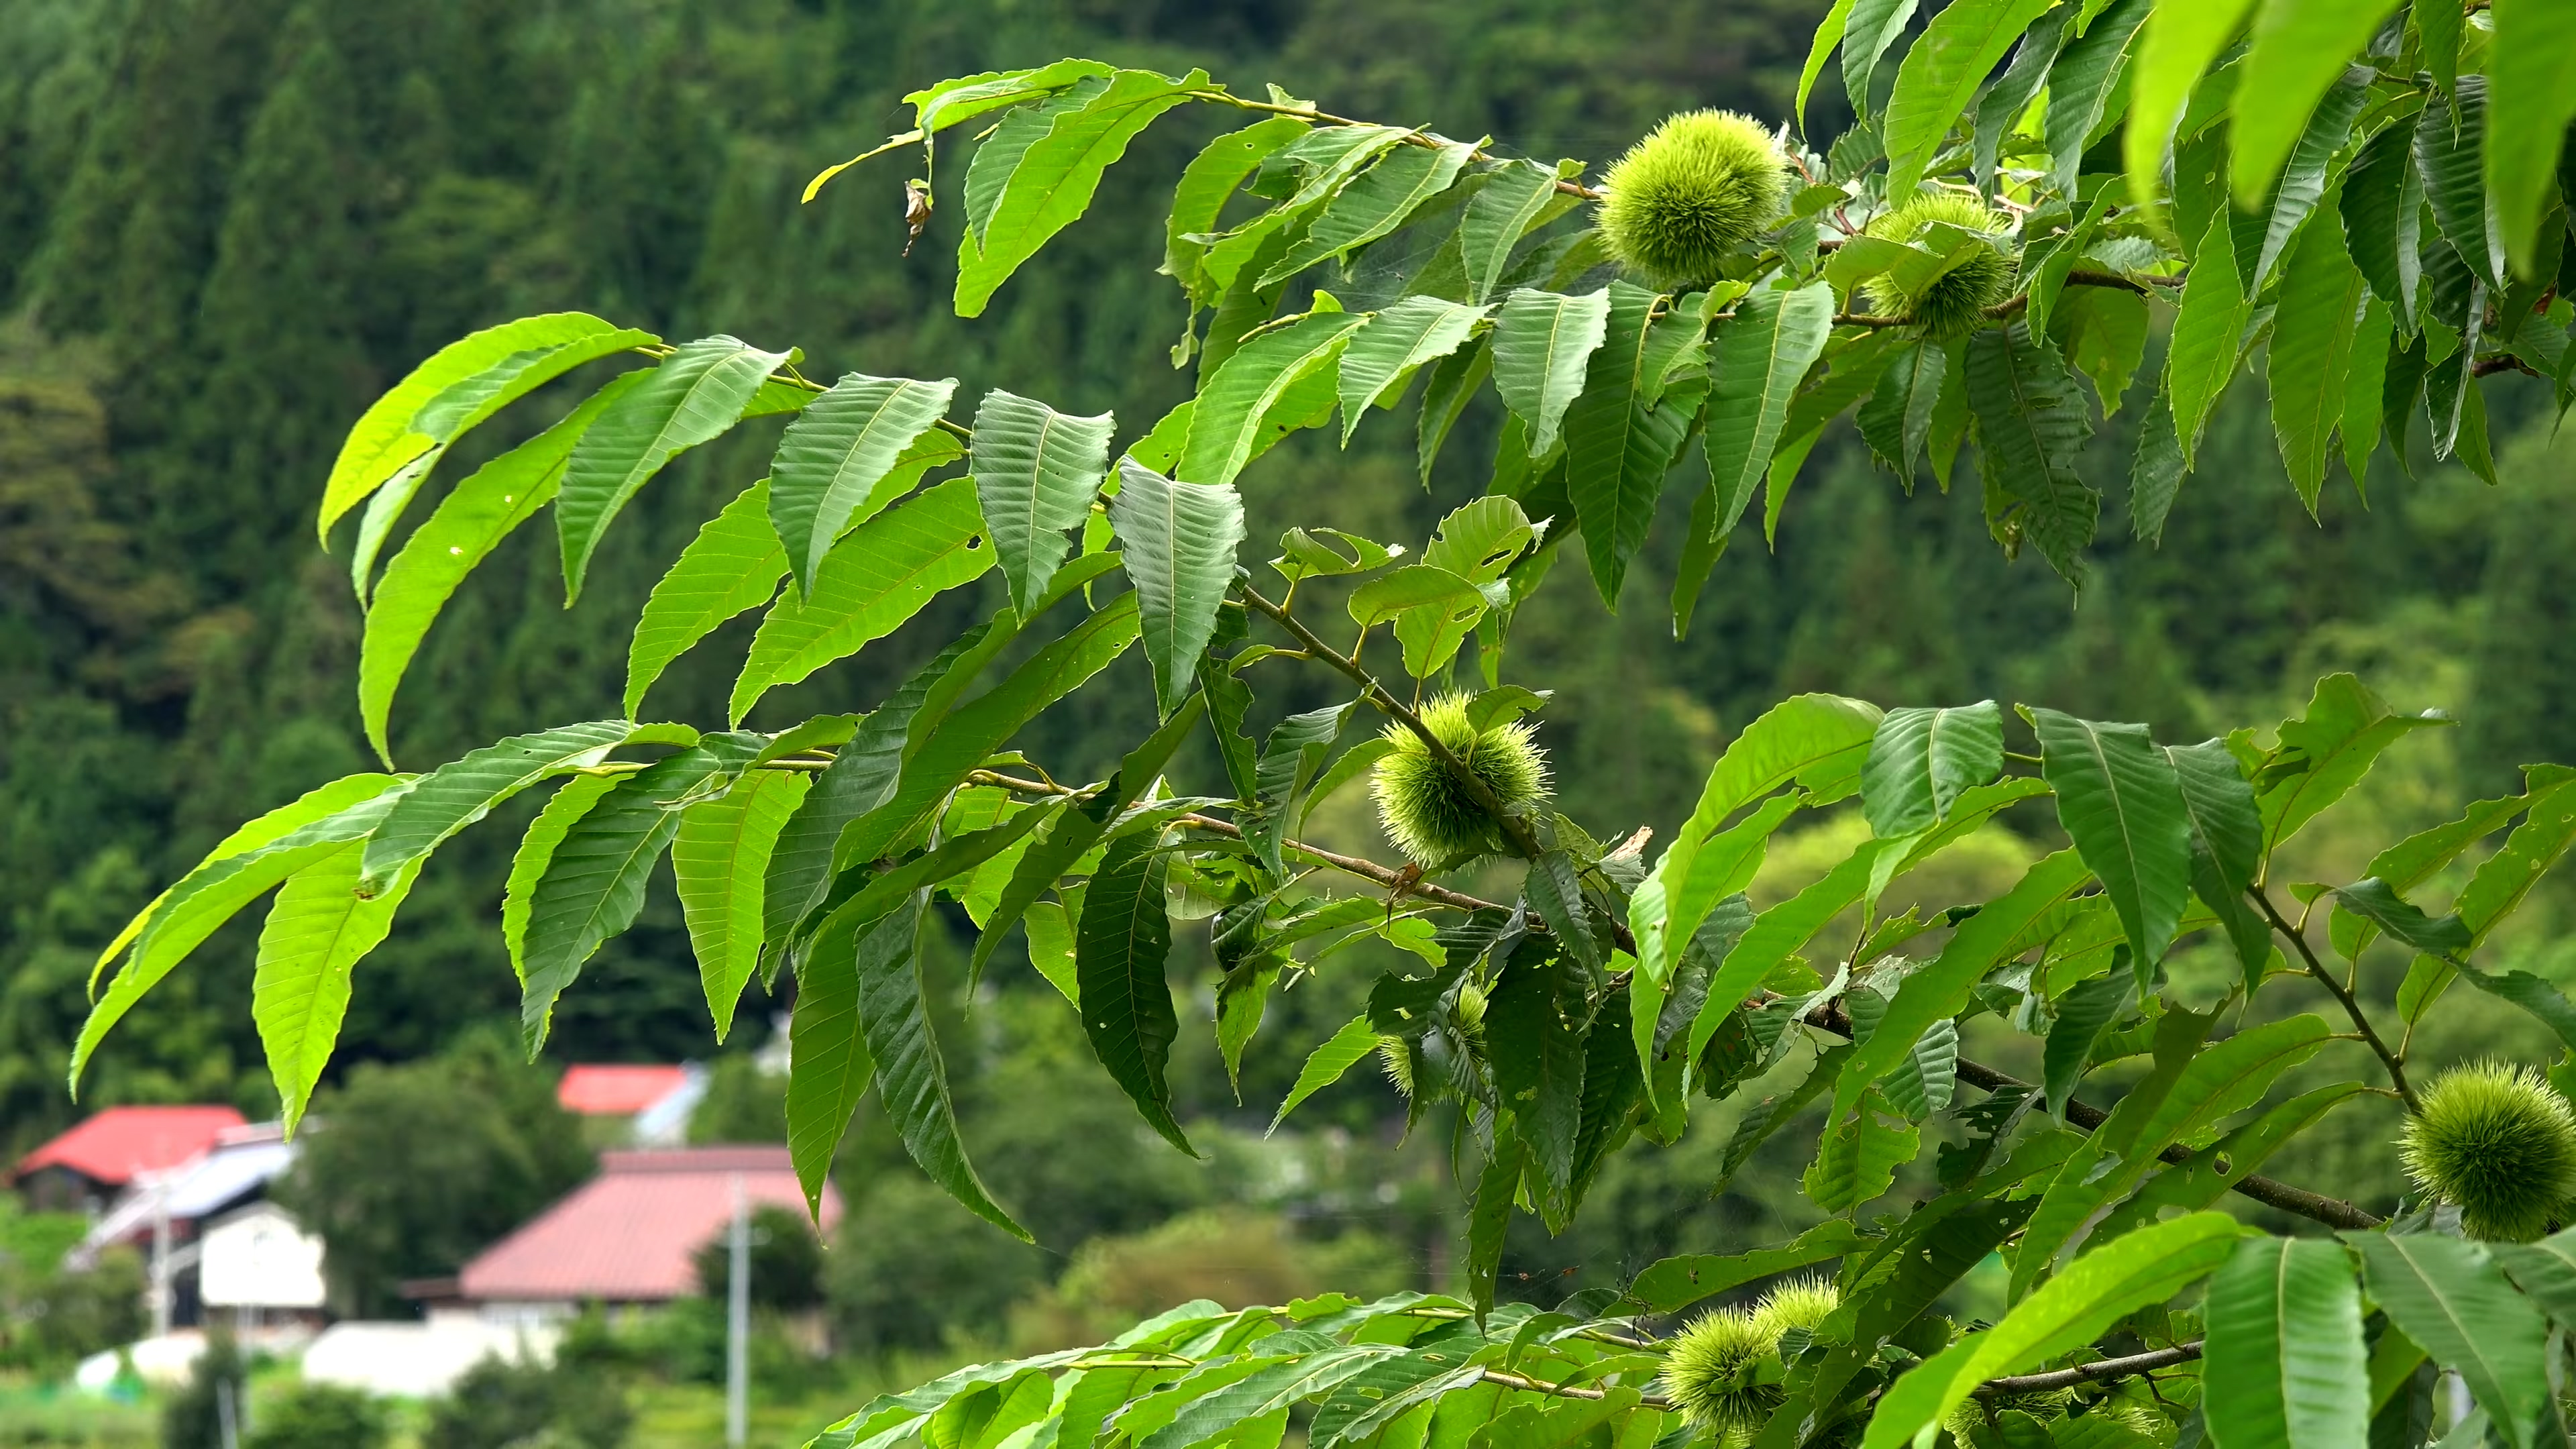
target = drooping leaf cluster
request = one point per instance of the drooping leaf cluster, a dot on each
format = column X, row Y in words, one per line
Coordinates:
column 1610, row 994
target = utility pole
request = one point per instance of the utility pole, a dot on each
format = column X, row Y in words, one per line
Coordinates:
column 158, row 1186
column 738, row 1324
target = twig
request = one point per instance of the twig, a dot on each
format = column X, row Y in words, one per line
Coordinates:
column 2352, row 1008
column 1368, row 870
column 2092, row 1373
column 1569, row 1391
column 2314, row 1206
column 1516, row 832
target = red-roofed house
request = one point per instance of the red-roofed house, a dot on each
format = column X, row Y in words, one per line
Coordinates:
column 655, row 1100
column 89, row 1165
column 627, row 1235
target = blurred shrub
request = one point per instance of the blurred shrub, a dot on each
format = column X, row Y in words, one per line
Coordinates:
column 1236, row 1257
column 51, row 1317
column 319, row 1416
column 407, row 1171
column 911, row 1269
column 786, row 1262
column 193, row 1418
column 742, row 1104
column 578, row 1403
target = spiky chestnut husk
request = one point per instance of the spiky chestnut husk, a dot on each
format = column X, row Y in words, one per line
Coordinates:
column 1427, row 811
column 1703, row 1367
column 1975, row 1413
column 1955, row 303
column 2496, row 1141
column 1798, row 1303
column 1700, row 185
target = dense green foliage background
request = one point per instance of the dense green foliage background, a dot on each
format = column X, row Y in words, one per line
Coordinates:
column 224, row 227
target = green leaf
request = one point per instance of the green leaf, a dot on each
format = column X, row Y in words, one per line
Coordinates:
column 487, row 365
column 1326, row 1064
column 2192, row 1089
column 458, row 793
column 1497, row 217
column 2103, row 332
column 2202, row 359
column 1289, row 758
column 1055, row 178
column 696, row 394
column 1177, row 542
column 1829, row 33
column 1073, row 833
column 2373, row 899
column 1271, row 386
column 2222, row 809
column 1857, row 1159
column 2529, row 992
column 2450, row 153
column 1445, row 394
column 1036, row 471
column 1384, row 353
column 911, row 1078
column 2155, row 474
column 1490, row 1214
column 1618, row 445
column 718, row 859
column 1940, row 76
column 861, row 777
column 1812, row 738
column 2546, row 1270
column 2285, row 1362
column 2179, row 43
column 1537, row 1055
column 573, row 799
column 2299, row 49
column 954, row 102
column 2032, row 424
column 2326, row 752
column 462, row 405
column 1897, row 419
column 2082, row 1013
column 593, row 885
column 1374, row 203
column 1674, row 1284
column 2314, row 329
column 299, row 994
column 2303, row 185
column 468, row 524
column 1756, row 361
column 1212, row 177
column 2120, row 800
column 1920, row 759
column 1542, row 341
column 733, row 565
column 2209, row 1175
column 2448, row 1296
column 2383, row 205
column 1875, row 25
column 882, row 574
column 2089, row 87
column 1982, row 942
column 2531, row 93
column 248, row 864
column 2069, row 1311
column 951, row 743
column 1125, row 936
column 831, row 1069
column 826, row 474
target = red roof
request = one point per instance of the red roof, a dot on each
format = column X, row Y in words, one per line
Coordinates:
column 627, row 1235
column 116, row 1145
column 605, row 1091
